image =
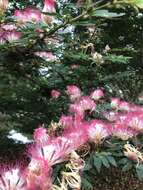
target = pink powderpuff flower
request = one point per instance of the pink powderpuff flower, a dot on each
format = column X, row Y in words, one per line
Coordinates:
column 124, row 106
column 115, row 102
column 13, row 36
column 73, row 91
column 76, row 134
column 135, row 108
column 86, row 103
column 140, row 98
column 74, row 66
column 13, row 179
column 53, row 152
column 55, row 94
column 97, row 94
column 98, row 131
column 135, row 121
column 28, row 15
column 66, row 121
column 48, row 56
column 9, row 27
column 111, row 116
column 70, row 122
column 83, row 104
column 40, row 136
column 57, row 149
column 77, row 110
column 49, row 6
column 123, row 132
column 38, row 175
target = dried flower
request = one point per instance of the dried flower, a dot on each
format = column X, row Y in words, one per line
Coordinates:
column 132, row 153
column 3, row 6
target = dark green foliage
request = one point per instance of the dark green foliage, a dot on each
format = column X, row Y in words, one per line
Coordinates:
column 25, row 92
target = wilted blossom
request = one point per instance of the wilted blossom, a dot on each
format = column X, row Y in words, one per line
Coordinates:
column 72, row 179
column 28, row 15
column 3, row 6
column 73, row 91
column 55, row 94
column 97, row 94
column 132, row 153
column 13, row 179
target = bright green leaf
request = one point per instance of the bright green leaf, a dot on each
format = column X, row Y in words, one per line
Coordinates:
column 106, row 14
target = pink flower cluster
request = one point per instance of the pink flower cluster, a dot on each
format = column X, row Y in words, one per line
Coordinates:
column 48, row 56
column 28, row 15
column 35, row 15
column 9, row 33
column 123, row 121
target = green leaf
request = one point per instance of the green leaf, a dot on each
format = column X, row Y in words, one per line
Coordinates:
column 127, row 167
column 112, row 160
column 97, row 163
column 86, row 185
column 106, row 14
column 123, row 161
column 139, row 171
column 87, row 167
column 138, row 3
column 105, row 161
column 117, row 58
